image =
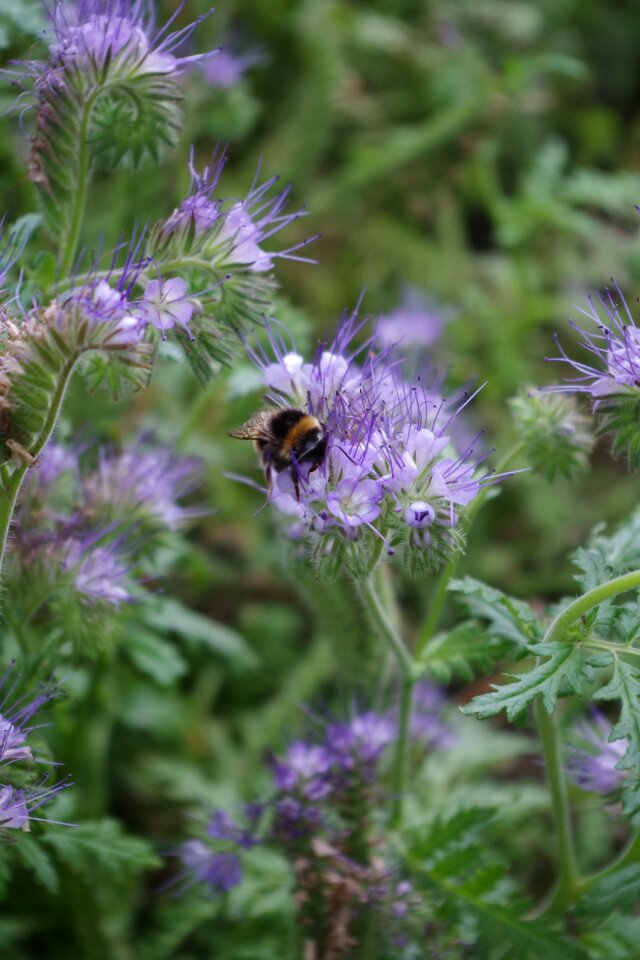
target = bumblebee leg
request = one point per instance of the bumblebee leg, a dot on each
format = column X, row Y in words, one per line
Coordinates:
column 296, row 484
column 268, row 479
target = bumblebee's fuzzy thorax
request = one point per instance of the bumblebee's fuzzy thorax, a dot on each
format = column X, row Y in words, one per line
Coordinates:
column 305, row 425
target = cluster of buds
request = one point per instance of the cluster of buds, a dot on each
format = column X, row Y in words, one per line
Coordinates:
column 392, row 478
column 556, row 436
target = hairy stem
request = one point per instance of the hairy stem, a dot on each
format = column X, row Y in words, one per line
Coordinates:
column 80, row 196
column 605, row 591
column 9, row 495
column 568, row 881
column 387, row 629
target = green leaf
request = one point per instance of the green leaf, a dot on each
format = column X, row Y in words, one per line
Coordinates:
column 605, row 557
column 507, row 617
column 565, row 671
column 33, row 855
column 625, row 686
column 619, row 890
column 153, row 656
column 171, row 616
column 100, row 847
column 463, row 652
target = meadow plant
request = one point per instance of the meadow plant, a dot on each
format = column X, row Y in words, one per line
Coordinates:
column 372, row 864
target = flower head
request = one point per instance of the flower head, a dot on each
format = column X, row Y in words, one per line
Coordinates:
column 593, row 766
column 615, row 345
column 416, row 324
column 144, row 478
column 391, row 473
column 98, row 571
column 360, row 743
column 304, row 771
column 227, row 69
column 167, row 304
column 557, row 437
column 228, row 233
column 96, row 33
column 220, row 871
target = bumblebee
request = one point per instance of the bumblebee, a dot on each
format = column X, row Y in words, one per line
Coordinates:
column 285, row 439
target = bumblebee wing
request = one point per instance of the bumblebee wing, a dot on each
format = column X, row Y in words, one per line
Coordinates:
column 256, row 428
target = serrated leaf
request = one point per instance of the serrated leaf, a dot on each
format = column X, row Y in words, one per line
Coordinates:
column 170, row 615
column 565, row 671
column 31, row 852
column 625, row 687
column 153, row 656
column 604, row 557
column 446, row 832
column 462, row 652
column 100, row 846
column 619, row 890
column 508, row 618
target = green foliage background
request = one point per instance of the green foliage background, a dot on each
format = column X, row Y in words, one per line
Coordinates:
column 484, row 151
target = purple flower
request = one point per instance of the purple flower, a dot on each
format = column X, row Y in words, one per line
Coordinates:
column 144, row 478
column 221, row 871
column 614, row 343
column 392, row 469
column 167, row 304
column 427, row 723
column 103, row 304
column 593, row 765
column 304, row 771
column 98, row 572
column 226, row 69
column 416, row 323
column 121, row 34
column 228, row 234
column 14, row 722
column 223, row 827
column 361, row 742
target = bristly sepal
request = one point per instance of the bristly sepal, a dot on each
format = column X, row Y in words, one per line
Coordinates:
column 619, row 418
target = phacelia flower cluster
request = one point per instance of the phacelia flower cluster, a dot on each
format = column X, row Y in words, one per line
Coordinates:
column 18, row 803
column 611, row 376
column 594, row 758
column 323, row 816
column 118, row 34
column 91, row 525
column 392, row 476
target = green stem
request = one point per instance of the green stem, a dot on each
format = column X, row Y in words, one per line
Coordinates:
column 9, row 495
column 80, row 195
column 408, row 675
column 568, row 881
column 560, row 626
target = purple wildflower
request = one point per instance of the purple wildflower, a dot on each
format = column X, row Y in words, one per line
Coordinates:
column 14, row 723
column 593, row 766
column 392, row 469
column 360, row 743
column 229, row 233
column 427, row 723
column 120, row 33
column 98, row 572
column 417, row 323
column 227, row 69
column 143, row 478
column 103, row 304
column 221, row 871
column 166, row 304
column 304, row 771
column 615, row 345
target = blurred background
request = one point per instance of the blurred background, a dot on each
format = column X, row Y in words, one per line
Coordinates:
column 479, row 155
